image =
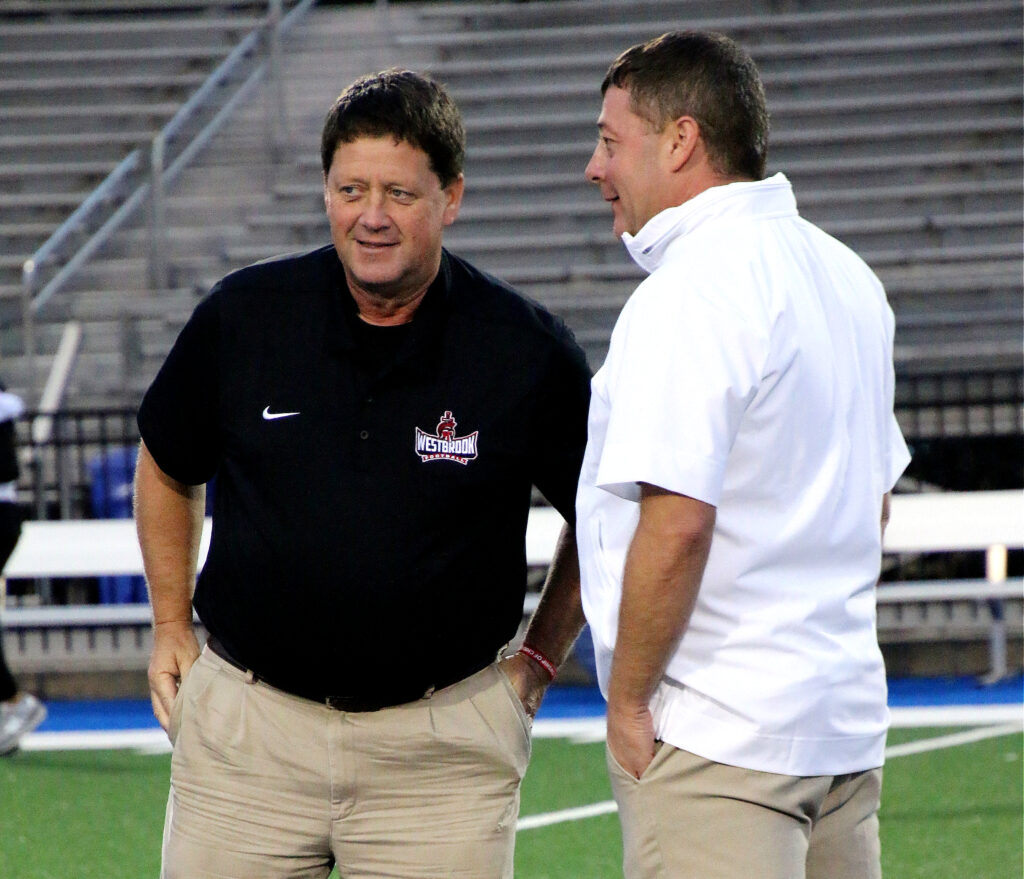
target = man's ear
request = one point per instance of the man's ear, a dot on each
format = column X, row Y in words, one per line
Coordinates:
column 682, row 136
column 453, row 193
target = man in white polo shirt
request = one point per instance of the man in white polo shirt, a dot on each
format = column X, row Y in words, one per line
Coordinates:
column 741, row 452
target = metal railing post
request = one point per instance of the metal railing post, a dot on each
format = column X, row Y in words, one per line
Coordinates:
column 995, row 572
column 36, row 465
column 157, row 215
column 28, row 323
column 275, row 102
column 38, row 290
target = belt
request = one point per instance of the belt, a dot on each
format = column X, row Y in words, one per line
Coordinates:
column 347, row 703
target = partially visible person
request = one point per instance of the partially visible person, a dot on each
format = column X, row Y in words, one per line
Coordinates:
column 20, row 712
column 742, row 447
column 376, row 412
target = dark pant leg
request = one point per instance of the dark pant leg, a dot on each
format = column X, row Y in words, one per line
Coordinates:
column 8, row 687
column 10, row 530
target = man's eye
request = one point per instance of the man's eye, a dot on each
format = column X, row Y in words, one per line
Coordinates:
column 401, row 194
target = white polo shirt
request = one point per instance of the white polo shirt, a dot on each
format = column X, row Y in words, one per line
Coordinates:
column 752, row 370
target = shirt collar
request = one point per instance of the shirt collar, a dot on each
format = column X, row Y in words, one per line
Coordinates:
column 759, row 199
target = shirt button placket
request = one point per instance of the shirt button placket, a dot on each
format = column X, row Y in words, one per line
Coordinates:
column 364, row 448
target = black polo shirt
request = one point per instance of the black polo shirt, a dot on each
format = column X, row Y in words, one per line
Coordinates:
column 370, row 510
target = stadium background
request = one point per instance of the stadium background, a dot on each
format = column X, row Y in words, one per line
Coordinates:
column 148, row 147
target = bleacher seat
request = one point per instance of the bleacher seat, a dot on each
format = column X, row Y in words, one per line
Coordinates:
column 899, row 124
column 82, row 84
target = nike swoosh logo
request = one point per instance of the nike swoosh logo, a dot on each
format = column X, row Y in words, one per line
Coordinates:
column 271, row 416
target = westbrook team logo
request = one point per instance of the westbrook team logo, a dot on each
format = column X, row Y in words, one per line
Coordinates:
column 445, row 445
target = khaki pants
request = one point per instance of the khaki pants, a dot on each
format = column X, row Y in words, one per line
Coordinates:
column 267, row 785
column 691, row 818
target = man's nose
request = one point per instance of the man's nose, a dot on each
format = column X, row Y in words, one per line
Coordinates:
column 594, row 171
column 375, row 214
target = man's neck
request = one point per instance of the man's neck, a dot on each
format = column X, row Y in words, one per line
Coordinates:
column 386, row 311
column 703, row 179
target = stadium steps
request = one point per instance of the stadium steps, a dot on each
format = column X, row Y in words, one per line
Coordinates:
column 785, row 61
column 126, row 28
column 861, row 124
column 125, row 336
column 593, row 29
column 116, row 71
column 899, row 125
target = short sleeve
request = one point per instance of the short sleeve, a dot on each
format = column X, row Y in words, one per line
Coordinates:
column 179, row 414
column 562, row 404
column 682, row 368
column 898, row 455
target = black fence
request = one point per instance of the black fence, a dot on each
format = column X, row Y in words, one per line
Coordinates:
column 947, row 405
column 77, row 464
column 966, row 432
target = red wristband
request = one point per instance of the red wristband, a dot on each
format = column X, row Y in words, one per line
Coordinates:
column 540, row 659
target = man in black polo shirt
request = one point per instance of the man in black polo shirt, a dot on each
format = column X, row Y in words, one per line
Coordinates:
column 375, row 412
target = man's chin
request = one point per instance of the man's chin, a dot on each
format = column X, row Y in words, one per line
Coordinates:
column 618, row 223
column 374, row 276
column 382, row 287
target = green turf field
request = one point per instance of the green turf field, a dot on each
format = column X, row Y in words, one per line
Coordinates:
column 953, row 813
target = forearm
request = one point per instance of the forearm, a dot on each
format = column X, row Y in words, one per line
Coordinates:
column 553, row 627
column 559, row 616
column 662, row 577
column 169, row 521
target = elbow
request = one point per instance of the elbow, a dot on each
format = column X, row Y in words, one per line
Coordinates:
column 692, row 537
column 674, row 520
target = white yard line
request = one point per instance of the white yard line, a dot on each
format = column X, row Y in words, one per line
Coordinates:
column 151, row 741
column 575, row 814
column 935, row 743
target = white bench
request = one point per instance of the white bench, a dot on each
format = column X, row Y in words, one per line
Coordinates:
column 107, row 637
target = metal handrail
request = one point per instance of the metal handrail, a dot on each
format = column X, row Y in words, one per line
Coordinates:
column 160, row 173
column 33, row 301
column 63, row 362
column 99, row 197
column 42, row 423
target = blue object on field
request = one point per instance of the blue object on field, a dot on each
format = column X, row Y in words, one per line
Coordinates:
column 112, row 475
column 584, row 653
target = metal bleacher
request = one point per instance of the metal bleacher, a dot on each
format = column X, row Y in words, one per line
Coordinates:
column 861, row 97
column 899, row 123
column 83, row 84
column 973, row 621
column 900, row 126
